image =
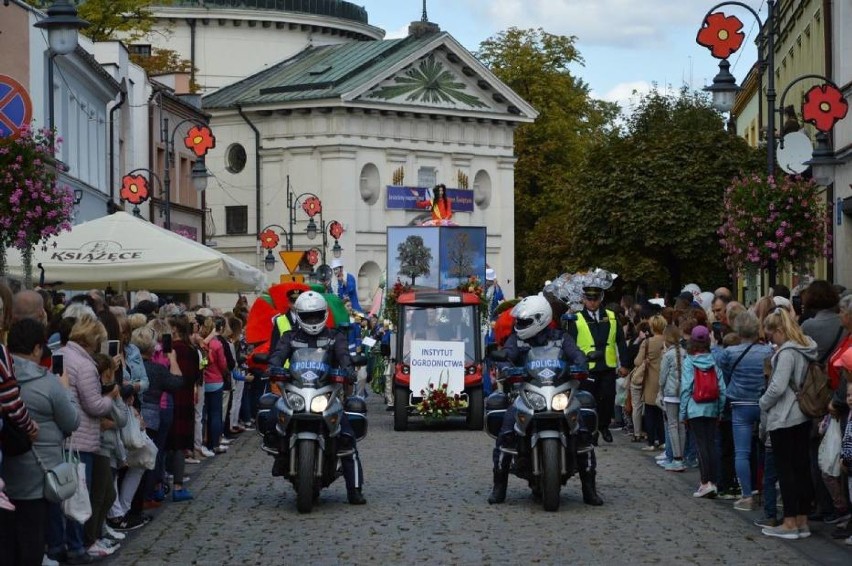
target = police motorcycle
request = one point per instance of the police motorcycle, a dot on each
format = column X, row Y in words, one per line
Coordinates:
column 302, row 429
column 553, row 422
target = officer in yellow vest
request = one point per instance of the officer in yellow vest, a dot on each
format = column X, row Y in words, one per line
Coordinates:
column 598, row 334
column 282, row 323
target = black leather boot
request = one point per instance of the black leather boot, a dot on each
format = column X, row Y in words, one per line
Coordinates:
column 590, row 493
column 501, row 483
column 355, row 497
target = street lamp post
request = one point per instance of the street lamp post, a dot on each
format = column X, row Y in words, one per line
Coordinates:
column 312, row 205
column 199, row 140
column 62, row 25
column 722, row 36
column 268, row 240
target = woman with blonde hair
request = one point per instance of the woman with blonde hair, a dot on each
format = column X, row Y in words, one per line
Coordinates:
column 651, row 354
column 788, row 426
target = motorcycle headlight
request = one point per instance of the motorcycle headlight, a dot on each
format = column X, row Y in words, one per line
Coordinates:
column 296, row 402
column 560, row 402
column 537, row 401
column 319, row 404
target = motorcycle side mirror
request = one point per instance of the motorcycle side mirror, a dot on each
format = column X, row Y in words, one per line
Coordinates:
column 260, row 358
column 267, row 401
column 498, row 355
column 359, row 360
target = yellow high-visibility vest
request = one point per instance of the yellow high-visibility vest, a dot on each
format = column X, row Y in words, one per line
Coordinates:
column 587, row 344
column 283, row 324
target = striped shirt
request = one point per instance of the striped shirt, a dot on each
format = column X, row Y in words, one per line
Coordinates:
column 11, row 405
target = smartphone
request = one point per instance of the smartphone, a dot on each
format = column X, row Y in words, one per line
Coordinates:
column 57, row 364
column 167, row 343
column 107, row 388
column 112, row 348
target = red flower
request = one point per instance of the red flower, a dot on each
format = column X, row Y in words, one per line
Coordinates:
column 721, row 34
column 134, row 189
column 200, row 140
column 824, row 105
column 268, row 239
column 335, row 229
column 313, row 256
column 312, row 206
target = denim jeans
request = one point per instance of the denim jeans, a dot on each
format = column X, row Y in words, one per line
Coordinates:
column 64, row 533
column 744, row 418
column 213, row 412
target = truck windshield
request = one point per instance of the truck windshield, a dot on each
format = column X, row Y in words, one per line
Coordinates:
column 441, row 324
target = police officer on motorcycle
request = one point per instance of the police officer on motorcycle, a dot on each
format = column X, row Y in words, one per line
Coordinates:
column 310, row 312
column 533, row 316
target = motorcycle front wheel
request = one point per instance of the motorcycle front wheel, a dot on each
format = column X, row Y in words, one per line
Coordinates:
column 305, row 479
column 550, row 474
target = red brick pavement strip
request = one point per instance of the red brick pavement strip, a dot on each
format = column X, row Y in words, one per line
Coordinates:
column 426, row 492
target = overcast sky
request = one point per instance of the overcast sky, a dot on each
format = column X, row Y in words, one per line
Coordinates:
column 626, row 44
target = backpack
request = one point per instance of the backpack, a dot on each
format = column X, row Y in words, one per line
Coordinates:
column 815, row 392
column 229, row 356
column 705, row 386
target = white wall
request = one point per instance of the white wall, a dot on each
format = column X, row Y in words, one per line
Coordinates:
column 842, row 75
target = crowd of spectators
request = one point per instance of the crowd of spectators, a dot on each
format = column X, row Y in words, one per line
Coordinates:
column 141, row 393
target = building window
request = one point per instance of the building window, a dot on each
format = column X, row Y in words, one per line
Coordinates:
column 427, row 177
column 141, row 49
column 236, row 220
column 235, row 158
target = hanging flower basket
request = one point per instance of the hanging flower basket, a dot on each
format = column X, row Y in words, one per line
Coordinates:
column 765, row 220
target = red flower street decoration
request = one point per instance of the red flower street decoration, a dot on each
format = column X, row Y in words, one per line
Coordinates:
column 268, row 239
column 134, row 189
column 335, row 229
column 312, row 206
column 313, row 256
column 200, row 140
column 721, row 34
column 824, row 106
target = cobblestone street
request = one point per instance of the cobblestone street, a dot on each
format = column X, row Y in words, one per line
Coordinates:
column 426, row 492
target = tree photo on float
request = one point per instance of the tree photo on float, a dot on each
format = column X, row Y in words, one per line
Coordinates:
column 766, row 219
column 33, row 207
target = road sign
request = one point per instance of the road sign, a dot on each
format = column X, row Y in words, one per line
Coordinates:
column 291, row 279
column 291, row 259
column 16, row 109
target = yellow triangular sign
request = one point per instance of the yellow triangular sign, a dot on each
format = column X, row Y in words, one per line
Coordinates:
column 291, row 259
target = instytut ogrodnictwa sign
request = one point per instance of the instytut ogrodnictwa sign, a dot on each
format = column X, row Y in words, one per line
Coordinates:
column 437, row 362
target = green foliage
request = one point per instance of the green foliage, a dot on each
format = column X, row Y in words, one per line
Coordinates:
column 414, row 258
column 651, row 196
column 537, row 65
column 128, row 20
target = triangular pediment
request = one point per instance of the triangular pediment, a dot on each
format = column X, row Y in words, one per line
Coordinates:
column 446, row 77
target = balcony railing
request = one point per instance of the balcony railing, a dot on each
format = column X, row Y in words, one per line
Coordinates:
column 332, row 8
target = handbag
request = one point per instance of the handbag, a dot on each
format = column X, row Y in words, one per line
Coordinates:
column 639, row 373
column 131, row 432
column 14, row 440
column 60, row 481
column 78, row 507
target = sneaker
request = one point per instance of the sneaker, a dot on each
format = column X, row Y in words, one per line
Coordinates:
column 132, row 522
column 690, row 463
column 661, row 456
column 804, row 532
column 650, row 448
column 708, row 490
column 113, row 534
column 100, row 550
column 744, row 504
column 48, row 561
column 730, row 494
column 781, row 532
column 191, row 461
column 220, row 449
column 663, row 463
column 206, row 452
column 840, row 533
column 181, row 495
column 848, row 541
column 675, row 466
column 835, row 518
column 765, row 522
column 225, row 442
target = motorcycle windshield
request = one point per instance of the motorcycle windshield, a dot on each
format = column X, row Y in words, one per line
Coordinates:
column 309, row 367
column 545, row 365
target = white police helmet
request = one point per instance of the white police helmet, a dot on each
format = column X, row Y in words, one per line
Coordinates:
column 532, row 315
column 311, row 312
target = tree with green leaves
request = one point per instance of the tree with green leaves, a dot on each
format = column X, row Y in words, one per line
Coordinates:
column 538, row 66
column 414, row 258
column 650, row 196
column 129, row 20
